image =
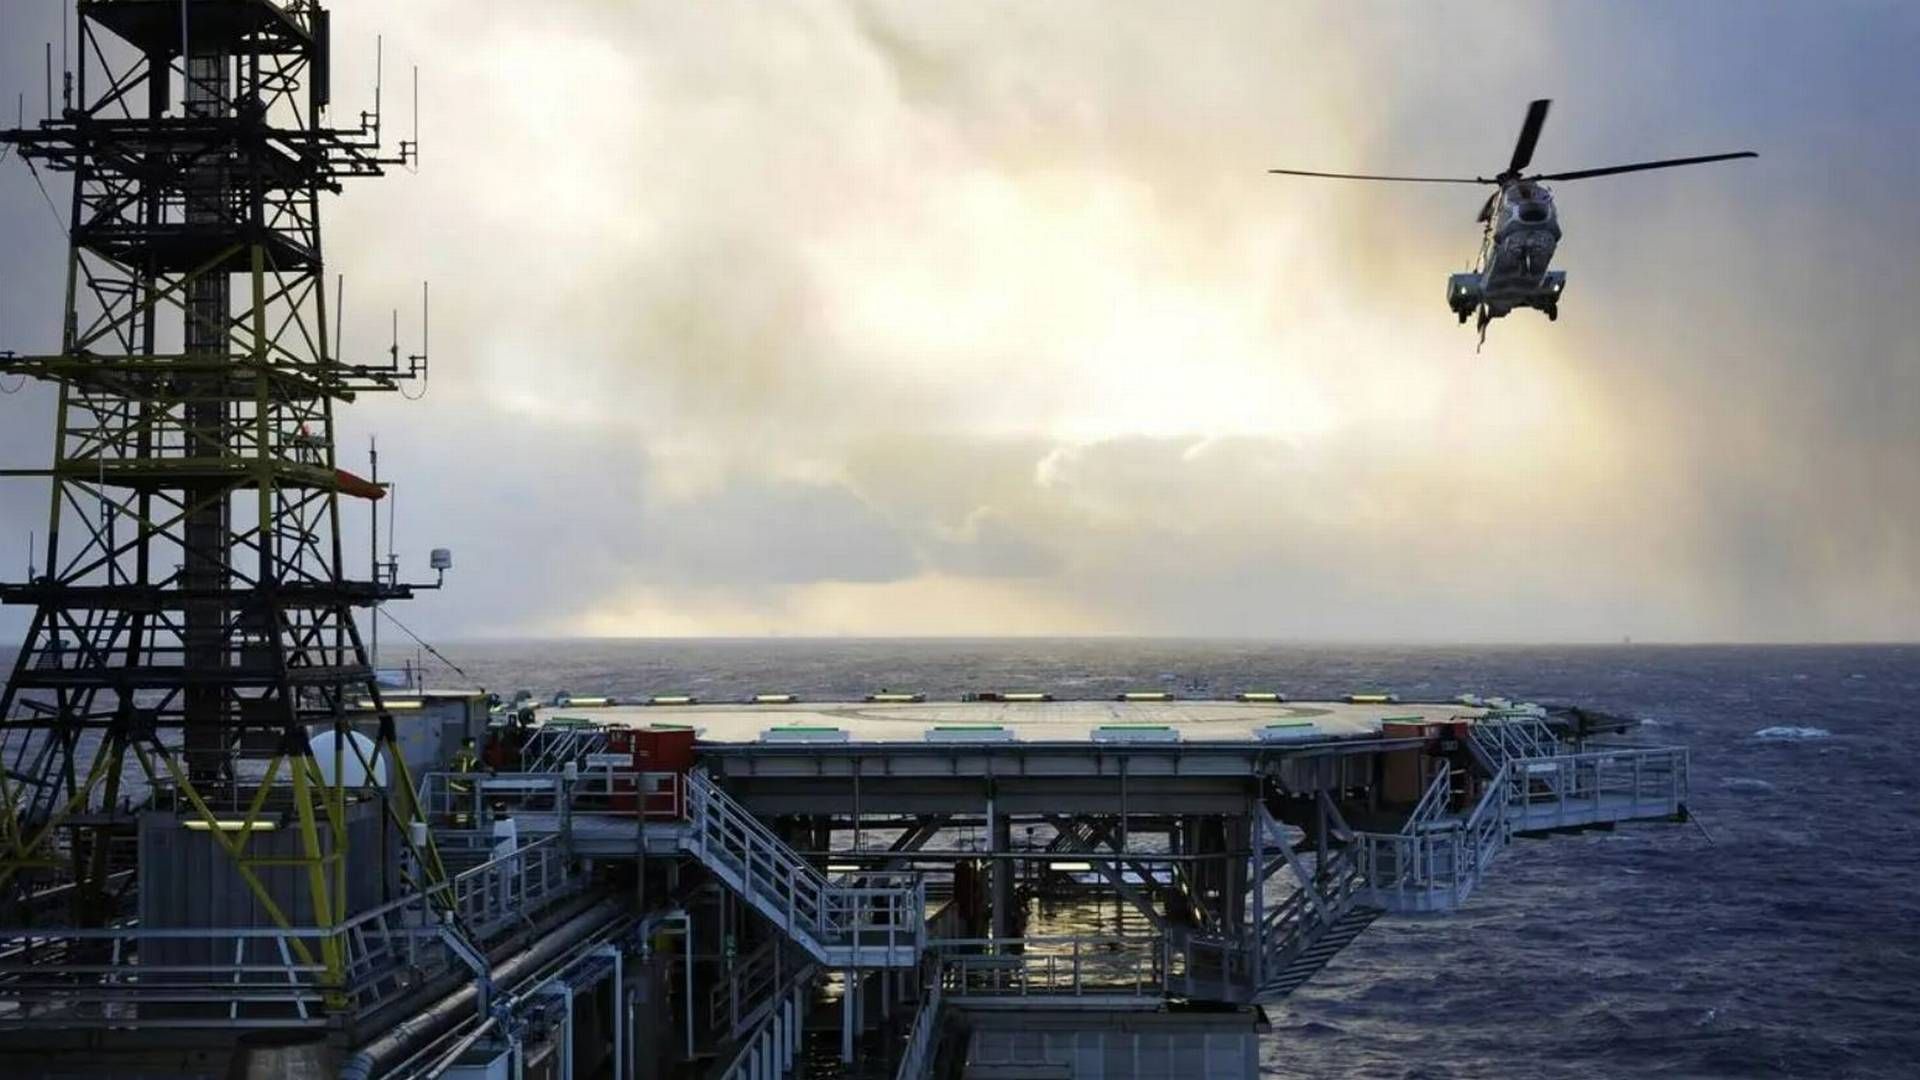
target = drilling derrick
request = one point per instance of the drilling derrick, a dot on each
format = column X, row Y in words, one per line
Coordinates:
column 192, row 656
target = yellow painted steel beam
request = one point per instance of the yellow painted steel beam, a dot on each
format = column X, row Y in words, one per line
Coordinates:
column 317, row 890
column 81, row 793
column 427, row 857
column 153, row 300
column 340, row 382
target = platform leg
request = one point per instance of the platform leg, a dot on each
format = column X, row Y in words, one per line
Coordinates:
column 847, row 1005
column 1000, row 838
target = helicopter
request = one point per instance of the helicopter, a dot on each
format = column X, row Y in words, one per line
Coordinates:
column 1520, row 227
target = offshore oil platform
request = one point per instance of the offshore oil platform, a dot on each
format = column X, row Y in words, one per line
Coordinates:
column 226, row 850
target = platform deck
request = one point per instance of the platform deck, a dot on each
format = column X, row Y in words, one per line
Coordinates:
column 1200, row 721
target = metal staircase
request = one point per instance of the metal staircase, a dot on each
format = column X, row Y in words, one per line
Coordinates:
column 878, row 923
column 552, row 746
column 1313, row 924
column 875, row 921
column 1505, row 735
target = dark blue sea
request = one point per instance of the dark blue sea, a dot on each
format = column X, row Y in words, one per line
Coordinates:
column 1781, row 940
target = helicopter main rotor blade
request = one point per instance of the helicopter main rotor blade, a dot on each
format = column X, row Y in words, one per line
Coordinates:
column 1396, row 179
column 1529, row 134
column 1582, row 174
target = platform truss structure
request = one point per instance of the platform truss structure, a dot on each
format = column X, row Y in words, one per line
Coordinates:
column 192, row 632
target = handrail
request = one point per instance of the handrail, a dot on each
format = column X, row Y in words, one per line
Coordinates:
column 1088, row 964
column 1623, row 781
column 746, row 986
column 776, row 1033
column 1433, row 801
column 550, row 749
column 817, row 911
column 916, row 1062
column 260, row 979
column 543, row 847
column 1515, row 735
column 1444, row 855
column 1446, row 859
column 1488, row 800
column 761, row 856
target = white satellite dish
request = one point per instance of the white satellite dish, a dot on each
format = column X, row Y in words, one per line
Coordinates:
column 352, row 773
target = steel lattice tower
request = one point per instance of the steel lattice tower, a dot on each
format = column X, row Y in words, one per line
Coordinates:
column 192, row 626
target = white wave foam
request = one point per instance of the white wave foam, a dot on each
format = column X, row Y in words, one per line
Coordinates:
column 1788, row 732
column 1747, row 785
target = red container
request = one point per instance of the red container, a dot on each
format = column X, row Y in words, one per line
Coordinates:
column 1409, row 729
column 665, row 750
column 669, row 751
column 662, row 756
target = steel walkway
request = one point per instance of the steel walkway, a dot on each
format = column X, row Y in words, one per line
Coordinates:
column 1535, row 788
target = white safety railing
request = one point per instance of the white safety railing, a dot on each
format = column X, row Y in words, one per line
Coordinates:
column 551, row 747
column 1292, row 927
column 154, row 977
column 1173, row 964
column 511, row 886
column 1515, row 735
column 1432, row 804
column 1439, row 863
column 1570, row 790
column 744, row 986
column 548, row 801
column 269, row 976
column 1058, row 966
column 917, row 1059
column 769, row 1049
column 1434, row 864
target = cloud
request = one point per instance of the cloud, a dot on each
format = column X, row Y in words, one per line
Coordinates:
column 887, row 318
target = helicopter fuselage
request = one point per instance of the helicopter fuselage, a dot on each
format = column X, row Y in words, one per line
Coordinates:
column 1521, row 232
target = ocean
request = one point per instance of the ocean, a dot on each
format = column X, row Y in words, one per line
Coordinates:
column 1779, row 938
column 1782, row 938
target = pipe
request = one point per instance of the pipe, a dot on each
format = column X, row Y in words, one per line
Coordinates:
column 410, row 1035
column 446, row 1060
column 565, row 992
column 619, row 1026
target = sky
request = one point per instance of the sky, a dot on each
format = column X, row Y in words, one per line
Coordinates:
column 978, row 319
